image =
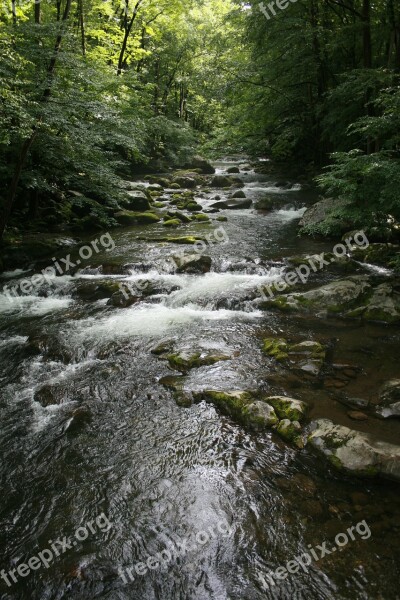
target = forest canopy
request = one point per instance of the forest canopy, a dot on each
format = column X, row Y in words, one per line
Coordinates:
column 92, row 91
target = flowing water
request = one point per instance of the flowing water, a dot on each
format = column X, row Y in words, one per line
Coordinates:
column 117, row 443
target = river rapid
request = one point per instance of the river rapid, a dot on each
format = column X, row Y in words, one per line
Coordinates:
column 117, row 443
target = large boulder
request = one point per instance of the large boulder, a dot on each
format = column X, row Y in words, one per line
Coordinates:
column 221, row 181
column 137, row 200
column 353, row 451
column 239, row 194
column 389, row 399
column 185, row 182
column 232, row 170
column 354, row 297
column 192, row 263
column 201, row 163
column 239, row 204
column 323, row 210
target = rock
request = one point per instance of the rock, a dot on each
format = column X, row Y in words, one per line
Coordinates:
column 79, row 420
column 288, row 408
column 267, row 203
column 245, row 167
column 323, row 210
column 222, row 218
column 163, row 348
column 184, row 239
column 137, row 201
column 219, row 204
column 155, row 187
column 221, row 181
column 185, row 182
column 179, row 215
column 232, row 170
column 306, row 357
column 202, row 218
column 172, row 223
column 356, row 415
column 239, row 204
column 336, row 297
column 240, row 405
column 239, row 194
column 198, row 162
column 290, row 431
column 276, row 347
column 378, row 254
column 353, row 451
column 193, row 206
column 193, row 263
column 175, row 186
column 185, row 360
column 389, row 399
column 260, row 415
column 123, row 300
column 125, row 217
column 90, row 291
column 49, row 394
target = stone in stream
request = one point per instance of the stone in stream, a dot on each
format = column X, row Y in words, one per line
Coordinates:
column 239, row 194
column 357, row 415
column 232, row 170
column 192, row 263
column 137, row 200
column 221, row 181
column 355, row 297
column 198, row 162
column 184, row 360
column 389, row 399
column 48, row 394
column 239, row 204
column 353, row 451
column 304, row 358
column 185, row 182
column 185, row 239
column 126, row 217
column 323, row 209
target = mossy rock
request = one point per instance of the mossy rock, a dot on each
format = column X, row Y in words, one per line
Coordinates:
column 184, row 361
column 259, row 415
column 232, row 403
column 276, row 347
column 174, row 186
column 290, row 431
column 222, row 219
column 288, row 408
column 202, row 218
column 193, row 207
column 158, row 205
column 185, row 239
column 172, row 223
column 127, row 217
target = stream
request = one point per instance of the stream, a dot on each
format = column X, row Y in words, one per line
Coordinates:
column 116, row 443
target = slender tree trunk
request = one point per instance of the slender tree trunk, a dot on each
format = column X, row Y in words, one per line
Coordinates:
column 27, row 144
column 82, row 27
column 367, row 44
column 38, row 15
column 128, row 30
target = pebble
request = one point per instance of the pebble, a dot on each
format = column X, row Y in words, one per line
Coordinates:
column 357, row 415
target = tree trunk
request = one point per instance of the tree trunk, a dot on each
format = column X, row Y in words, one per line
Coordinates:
column 38, row 16
column 128, row 30
column 27, row 144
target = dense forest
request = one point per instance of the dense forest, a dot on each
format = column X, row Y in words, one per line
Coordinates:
column 92, row 91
